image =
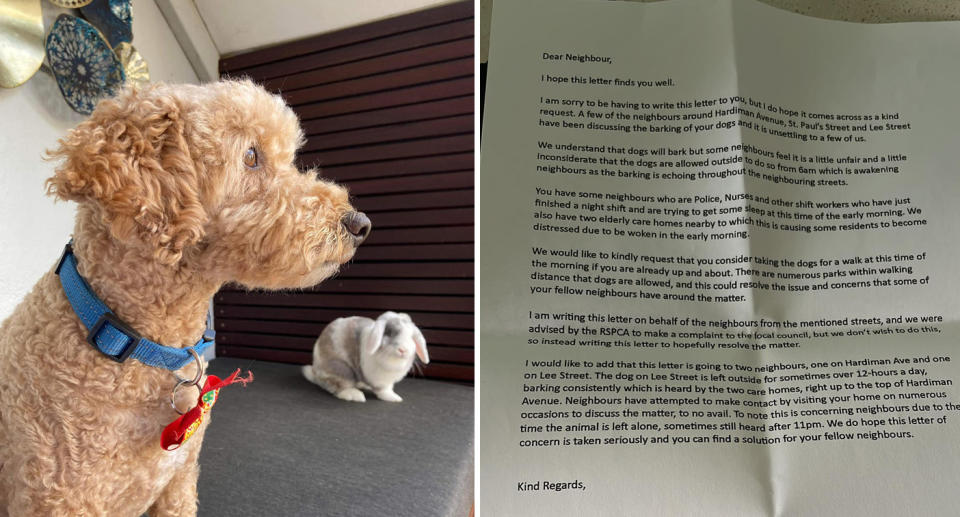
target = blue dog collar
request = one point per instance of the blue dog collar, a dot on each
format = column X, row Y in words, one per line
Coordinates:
column 109, row 334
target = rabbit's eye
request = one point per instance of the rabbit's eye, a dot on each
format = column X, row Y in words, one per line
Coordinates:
column 389, row 332
column 250, row 158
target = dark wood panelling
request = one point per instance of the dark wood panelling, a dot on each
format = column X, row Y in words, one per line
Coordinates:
column 292, row 342
column 264, row 354
column 364, row 284
column 397, row 286
column 374, row 204
column 392, row 151
column 453, row 321
column 408, row 59
column 376, row 118
column 439, row 235
column 382, row 302
column 436, row 369
column 432, row 217
column 339, row 55
column 426, row 182
column 407, row 167
column 399, row 97
column 453, row 356
column 387, row 109
column 460, row 124
column 379, row 82
column 404, row 252
column 238, row 328
column 409, row 270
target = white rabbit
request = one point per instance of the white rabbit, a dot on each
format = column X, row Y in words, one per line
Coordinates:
column 359, row 353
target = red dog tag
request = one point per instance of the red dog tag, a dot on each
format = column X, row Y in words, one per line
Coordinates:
column 183, row 428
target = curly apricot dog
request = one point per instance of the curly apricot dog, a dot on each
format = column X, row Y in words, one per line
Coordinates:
column 180, row 189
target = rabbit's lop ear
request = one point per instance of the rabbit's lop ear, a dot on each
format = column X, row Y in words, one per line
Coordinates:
column 373, row 336
column 421, row 344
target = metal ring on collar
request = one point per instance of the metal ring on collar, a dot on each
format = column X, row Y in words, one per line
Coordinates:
column 188, row 382
column 173, row 394
column 200, row 370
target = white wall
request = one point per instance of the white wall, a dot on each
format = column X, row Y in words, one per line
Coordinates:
column 33, row 229
column 239, row 25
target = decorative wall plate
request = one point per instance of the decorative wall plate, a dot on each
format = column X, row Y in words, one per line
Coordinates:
column 114, row 18
column 134, row 66
column 21, row 41
column 85, row 66
column 70, row 4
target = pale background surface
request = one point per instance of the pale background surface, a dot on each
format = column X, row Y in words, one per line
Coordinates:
column 869, row 11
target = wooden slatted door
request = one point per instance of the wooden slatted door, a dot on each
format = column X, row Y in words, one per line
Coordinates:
column 388, row 112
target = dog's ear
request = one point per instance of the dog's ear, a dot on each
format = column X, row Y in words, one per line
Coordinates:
column 131, row 159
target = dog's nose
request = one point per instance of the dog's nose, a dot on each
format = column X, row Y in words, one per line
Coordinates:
column 357, row 224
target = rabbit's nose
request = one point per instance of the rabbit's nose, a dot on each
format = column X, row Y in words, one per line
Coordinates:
column 358, row 224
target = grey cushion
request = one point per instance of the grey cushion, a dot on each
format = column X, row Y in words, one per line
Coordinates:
column 283, row 446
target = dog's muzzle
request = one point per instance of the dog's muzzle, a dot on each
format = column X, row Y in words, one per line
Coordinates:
column 357, row 225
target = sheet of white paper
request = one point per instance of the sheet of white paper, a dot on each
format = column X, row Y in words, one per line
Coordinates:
column 730, row 232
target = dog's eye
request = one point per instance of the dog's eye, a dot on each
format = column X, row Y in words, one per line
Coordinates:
column 250, row 158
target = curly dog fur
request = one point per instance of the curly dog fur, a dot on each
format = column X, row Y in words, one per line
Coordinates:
column 168, row 212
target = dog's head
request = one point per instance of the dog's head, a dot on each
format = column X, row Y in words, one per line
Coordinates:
column 204, row 177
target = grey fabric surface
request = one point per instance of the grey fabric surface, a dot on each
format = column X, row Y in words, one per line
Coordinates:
column 283, row 446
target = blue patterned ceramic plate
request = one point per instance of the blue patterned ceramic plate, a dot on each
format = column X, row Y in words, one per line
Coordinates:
column 85, row 66
column 114, row 18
